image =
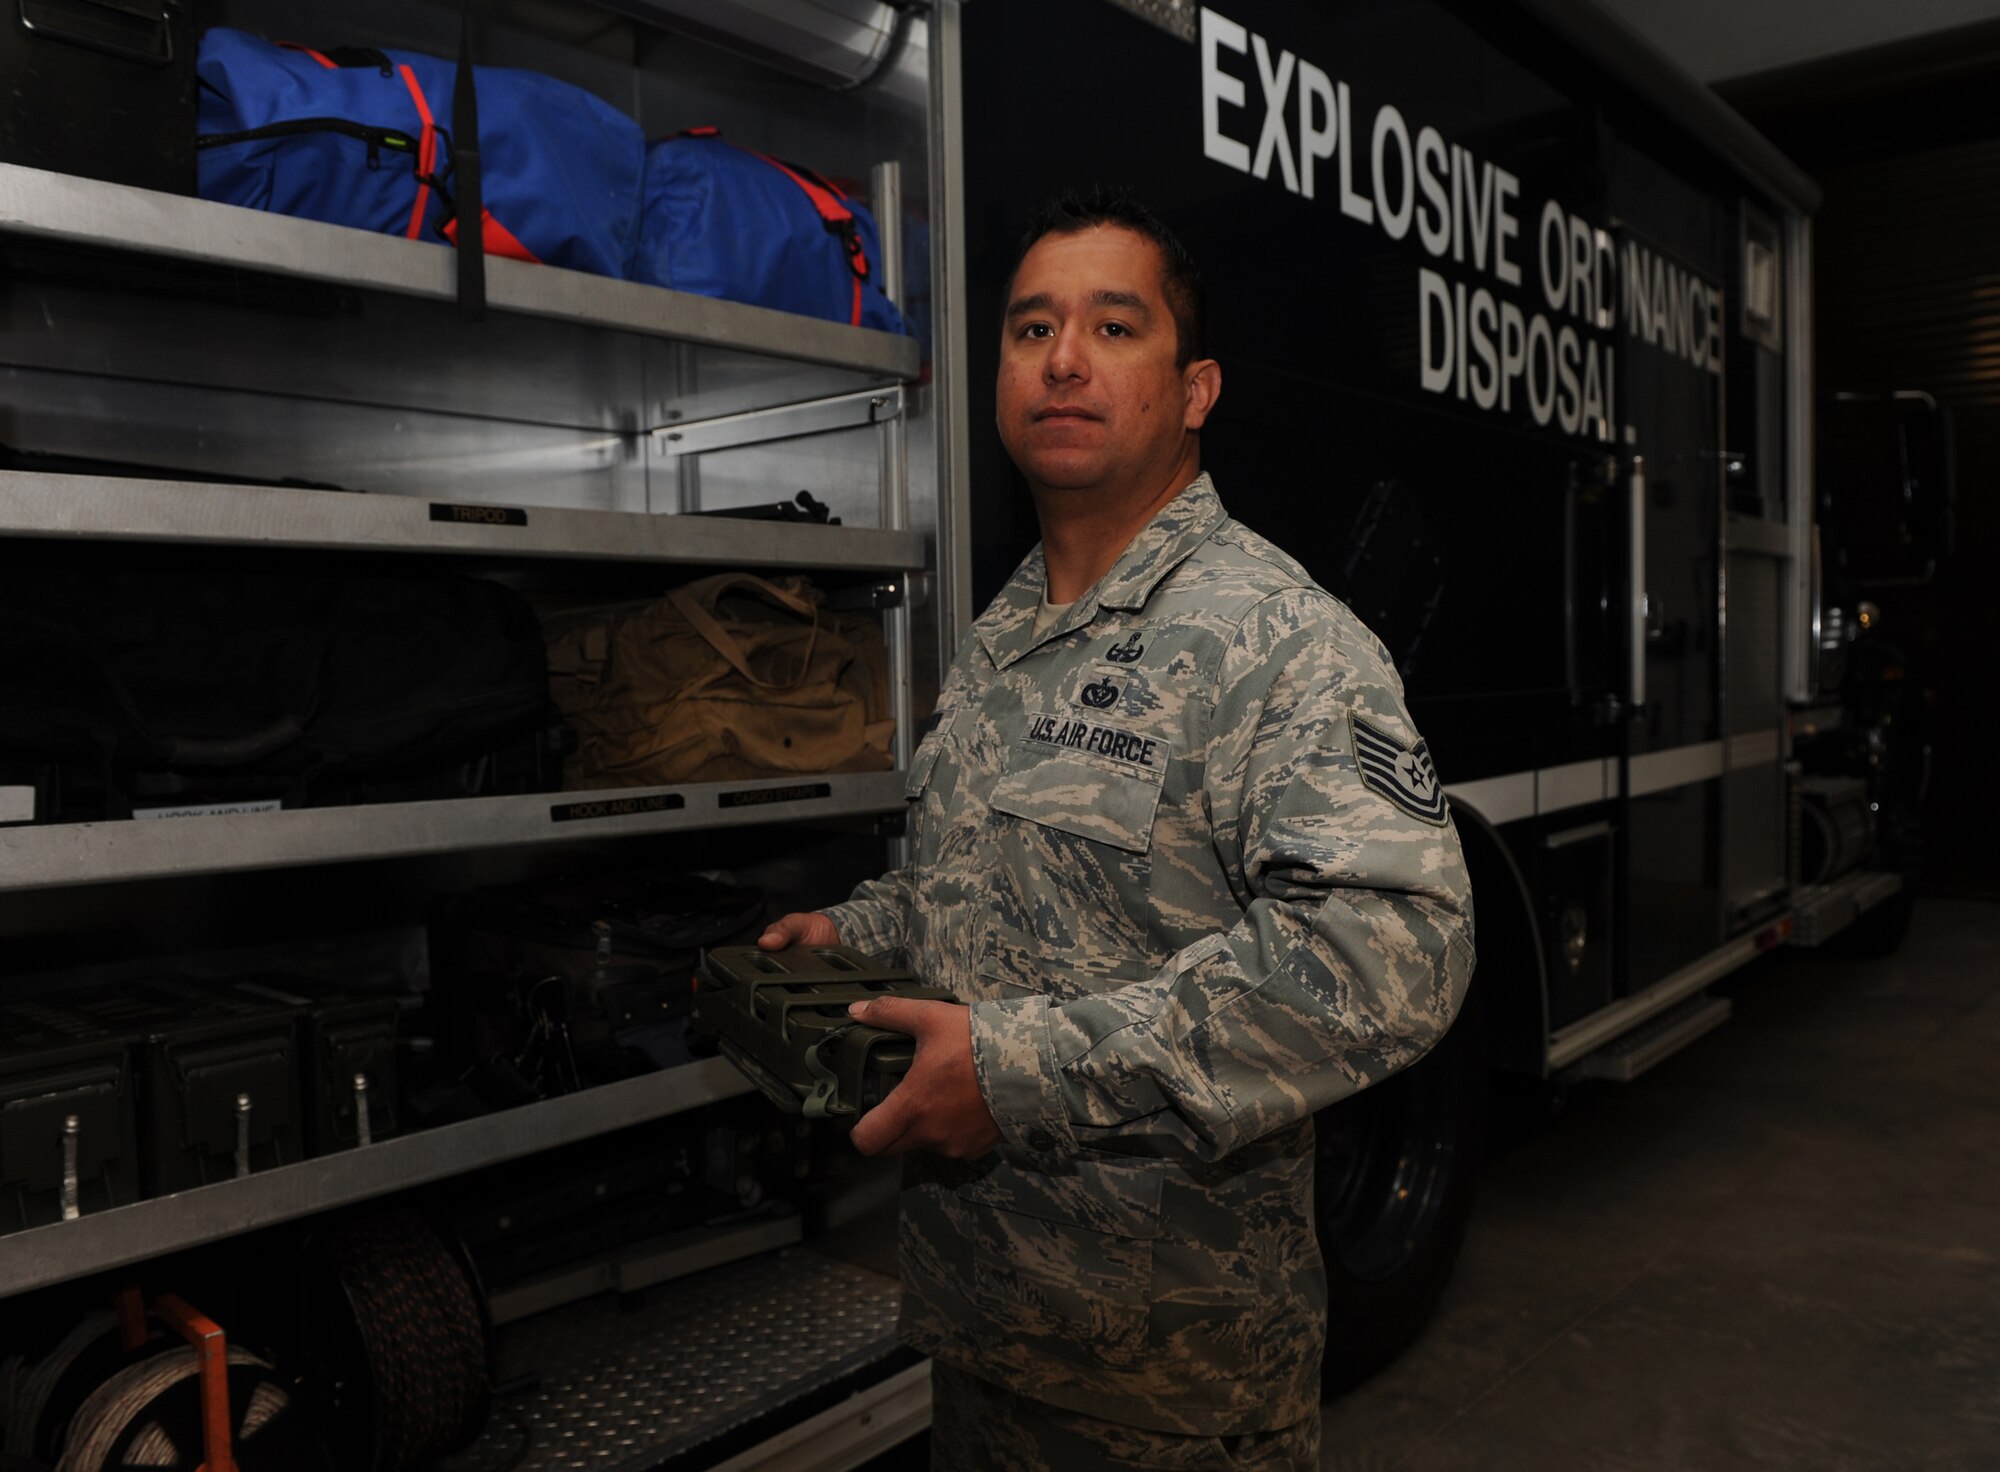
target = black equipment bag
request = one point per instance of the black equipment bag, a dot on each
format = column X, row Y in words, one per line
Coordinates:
column 131, row 689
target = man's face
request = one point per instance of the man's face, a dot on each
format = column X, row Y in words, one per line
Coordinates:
column 1089, row 395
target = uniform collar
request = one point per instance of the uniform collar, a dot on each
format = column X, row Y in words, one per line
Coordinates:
column 1007, row 627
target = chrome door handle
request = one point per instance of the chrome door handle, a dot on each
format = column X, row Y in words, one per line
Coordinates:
column 1635, row 610
column 242, row 1136
column 72, row 1130
column 364, row 1134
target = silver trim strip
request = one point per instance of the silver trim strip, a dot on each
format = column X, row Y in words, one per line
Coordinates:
column 1825, row 910
column 66, row 507
column 98, row 1241
column 885, row 189
column 1546, row 790
column 866, row 1424
column 1801, row 637
column 1624, row 1059
column 784, row 422
column 1754, row 749
column 641, row 1265
column 1571, row 836
column 1580, row 1038
column 64, row 854
column 1498, row 799
column 1819, row 914
column 1635, row 586
column 1574, row 785
column 72, row 210
column 950, row 313
column 1662, row 771
column 1759, row 538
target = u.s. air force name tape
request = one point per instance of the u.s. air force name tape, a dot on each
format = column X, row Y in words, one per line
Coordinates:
column 1079, row 735
column 1402, row 774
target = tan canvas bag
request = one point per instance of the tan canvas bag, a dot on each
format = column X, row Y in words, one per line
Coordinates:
column 729, row 677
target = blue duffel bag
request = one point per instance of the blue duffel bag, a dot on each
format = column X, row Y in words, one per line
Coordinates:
column 726, row 221
column 362, row 137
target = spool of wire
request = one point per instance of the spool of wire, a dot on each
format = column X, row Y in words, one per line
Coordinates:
column 150, row 1415
column 401, row 1344
column 48, row 1390
column 12, row 1368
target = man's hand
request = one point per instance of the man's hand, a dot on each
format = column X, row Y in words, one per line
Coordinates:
column 800, row 928
column 938, row 1106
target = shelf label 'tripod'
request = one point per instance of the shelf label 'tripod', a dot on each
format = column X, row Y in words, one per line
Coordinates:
column 479, row 515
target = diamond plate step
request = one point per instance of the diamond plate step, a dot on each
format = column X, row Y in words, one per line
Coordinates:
column 683, row 1378
column 1654, row 1042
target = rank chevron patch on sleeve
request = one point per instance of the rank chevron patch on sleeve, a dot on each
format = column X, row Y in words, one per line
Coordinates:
column 1401, row 774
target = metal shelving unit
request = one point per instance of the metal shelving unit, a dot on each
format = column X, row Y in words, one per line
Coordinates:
column 159, row 848
column 179, row 334
column 82, row 507
column 105, row 1240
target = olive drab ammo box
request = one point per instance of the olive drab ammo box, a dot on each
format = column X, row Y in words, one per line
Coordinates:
column 781, row 1017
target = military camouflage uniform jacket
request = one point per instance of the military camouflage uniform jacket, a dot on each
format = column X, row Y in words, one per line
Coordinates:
column 1166, row 852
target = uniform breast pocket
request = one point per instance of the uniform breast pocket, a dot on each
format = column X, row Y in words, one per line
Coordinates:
column 1106, row 800
column 923, row 776
column 923, row 762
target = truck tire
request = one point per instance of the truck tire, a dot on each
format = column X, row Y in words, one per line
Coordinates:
column 1392, row 1189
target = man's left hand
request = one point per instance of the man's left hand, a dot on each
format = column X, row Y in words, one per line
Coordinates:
column 938, row 1106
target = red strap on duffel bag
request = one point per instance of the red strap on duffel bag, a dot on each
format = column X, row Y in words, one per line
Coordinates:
column 827, row 201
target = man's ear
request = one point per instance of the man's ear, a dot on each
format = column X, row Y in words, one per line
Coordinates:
column 1204, row 386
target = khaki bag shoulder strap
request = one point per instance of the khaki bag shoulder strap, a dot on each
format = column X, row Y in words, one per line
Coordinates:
column 696, row 603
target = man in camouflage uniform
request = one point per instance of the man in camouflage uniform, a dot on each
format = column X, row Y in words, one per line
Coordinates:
column 1178, row 845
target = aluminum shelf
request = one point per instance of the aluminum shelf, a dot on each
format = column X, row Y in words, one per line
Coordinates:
column 124, row 1235
column 63, row 854
column 66, row 209
column 88, row 507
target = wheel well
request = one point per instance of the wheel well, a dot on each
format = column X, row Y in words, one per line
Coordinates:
column 1511, row 971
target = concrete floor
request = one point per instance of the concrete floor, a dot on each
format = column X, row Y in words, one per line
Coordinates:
column 1779, row 1249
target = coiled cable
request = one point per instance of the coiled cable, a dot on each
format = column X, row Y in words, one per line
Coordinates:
column 148, row 1415
column 406, row 1355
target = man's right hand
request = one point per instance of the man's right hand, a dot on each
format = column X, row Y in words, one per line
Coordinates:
column 800, row 928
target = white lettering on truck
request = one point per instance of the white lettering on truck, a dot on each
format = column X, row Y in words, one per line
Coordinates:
column 1476, row 344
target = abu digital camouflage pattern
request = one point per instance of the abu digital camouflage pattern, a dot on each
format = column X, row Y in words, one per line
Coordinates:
column 1146, row 853
column 977, row 1426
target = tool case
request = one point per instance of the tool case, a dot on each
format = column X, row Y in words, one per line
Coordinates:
column 349, row 1079
column 67, row 1132
column 103, row 88
column 781, row 1017
column 219, row 1080
column 175, row 1081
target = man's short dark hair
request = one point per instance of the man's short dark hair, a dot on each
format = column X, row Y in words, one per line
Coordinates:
column 1072, row 211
